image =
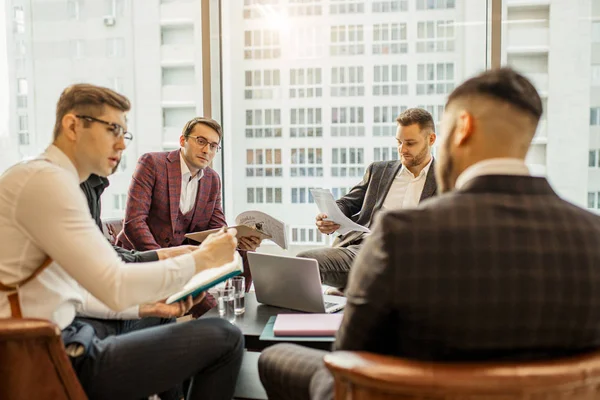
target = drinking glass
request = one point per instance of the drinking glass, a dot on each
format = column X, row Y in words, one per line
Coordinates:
column 226, row 302
column 239, row 288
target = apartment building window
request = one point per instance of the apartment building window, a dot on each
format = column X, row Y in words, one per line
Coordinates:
column 347, row 81
column 595, row 78
column 19, row 19
column 595, row 116
column 77, row 49
column 263, row 162
column 22, row 90
column 339, row 192
column 384, row 119
column 346, row 7
column 23, row 125
column 260, row 8
column 263, row 123
column 347, row 121
column 595, row 31
column 73, row 9
column 385, row 153
column 300, row 8
column 435, row 4
column 21, row 48
column 591, row 199
column 435, row 36
column 305, row 82
column 435, row 78
column 436, row 111
column 347, row 161
column 307, row 162
column 307, row 235
column 594, row 161
column 389, row 5
column 119, row 201
column 302, row 195
column 390, row 39
column 260, row 195
column 347, row 40
column 262, row 84
column 390, row 80
column 261, row 44
column 306, row 42
column 115, row 47
column 306, row 122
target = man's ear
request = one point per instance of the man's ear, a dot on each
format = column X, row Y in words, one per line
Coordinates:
column 431, row 139
column 464, row 128
column 68, row 124
column 182, row 140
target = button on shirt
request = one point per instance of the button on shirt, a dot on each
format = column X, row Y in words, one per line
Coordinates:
column 406, row 189
column 189, row 187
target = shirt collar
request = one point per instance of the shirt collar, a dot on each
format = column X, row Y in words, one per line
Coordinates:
column 493, row 166
column 424, row 171
column 58, row 157
column 185, row 171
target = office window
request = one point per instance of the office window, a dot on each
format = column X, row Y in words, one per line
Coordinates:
column 390, row 80
column 591, row 200
column 119, row 201
column 306, row 162
column 390, row 39
column 339, row 192
column 595, row 75
column 115, row 47
column 19, row 19
column 435, row 4
column 385, row 153
column 301, row 195
column 268, row 195
column 73, row 9
column 435, row 78
column 347, row 161
column 263, row 123
column 592, row 158
column 595, row 116
column 346, row 40
column 254, row 9
column 384, row 120
column 263, row 162
column 307, row 42
column 596, row 32
column 389, row 6
column 22, row 89
column 262, row 84
column 301, row 8
column 306, row 235
column 23, row 123
column 347, row 81
column 306, row 122
column 346, row 7
column 347, row 121
column 436, row 112
column 261, row 44
column 435, row 36
column 305, row 82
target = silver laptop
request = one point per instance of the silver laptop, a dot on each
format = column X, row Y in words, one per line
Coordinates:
column 291, row 282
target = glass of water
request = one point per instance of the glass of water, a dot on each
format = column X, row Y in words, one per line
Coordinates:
column 225, row 302
column 239, row 288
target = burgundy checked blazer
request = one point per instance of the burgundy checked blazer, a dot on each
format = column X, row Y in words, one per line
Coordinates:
column 152, row 216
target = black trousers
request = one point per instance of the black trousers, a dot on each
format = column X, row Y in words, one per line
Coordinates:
column 334, row 263
column 136, row 364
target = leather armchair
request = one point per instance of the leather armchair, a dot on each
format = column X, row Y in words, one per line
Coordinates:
column 361, row 376
column 111, row 228
column 33, row 362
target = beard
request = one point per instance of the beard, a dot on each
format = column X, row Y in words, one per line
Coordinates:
column 444, row 166
column 416, row 160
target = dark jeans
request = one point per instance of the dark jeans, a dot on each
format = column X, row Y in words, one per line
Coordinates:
column 136, row 364
column 334, row 263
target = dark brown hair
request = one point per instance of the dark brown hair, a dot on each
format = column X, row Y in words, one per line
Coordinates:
column 211, row 123
column 417, row 116
column 83, row 98
column 503, row 84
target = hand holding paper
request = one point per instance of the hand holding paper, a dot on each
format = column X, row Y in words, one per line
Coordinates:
column 325, row 225
column 216, row 250
column 327, row 205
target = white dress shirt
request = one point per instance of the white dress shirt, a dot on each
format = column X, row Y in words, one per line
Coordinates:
column 492, row 166
column 406, row 189
column 189, row 187
column 44, row 212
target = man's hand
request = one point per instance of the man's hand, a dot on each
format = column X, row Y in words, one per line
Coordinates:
column 250, row 243
column 326, row 227
column 169, row 252
column 175, row 310
column 217, row 249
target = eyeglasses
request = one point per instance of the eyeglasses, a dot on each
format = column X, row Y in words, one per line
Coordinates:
column 202, row 142
column 117, row 130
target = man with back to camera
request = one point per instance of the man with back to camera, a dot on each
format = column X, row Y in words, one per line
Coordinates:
column 490, row 270
column 387, row 185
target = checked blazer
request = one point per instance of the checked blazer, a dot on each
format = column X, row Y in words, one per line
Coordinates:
column 152, row 216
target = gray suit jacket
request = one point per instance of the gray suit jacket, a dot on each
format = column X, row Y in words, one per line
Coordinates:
column 365, row 199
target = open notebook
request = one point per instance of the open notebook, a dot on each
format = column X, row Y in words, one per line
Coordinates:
column 208, row 278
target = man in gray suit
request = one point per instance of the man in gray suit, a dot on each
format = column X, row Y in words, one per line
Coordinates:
column 498, row 267
column 387, row 185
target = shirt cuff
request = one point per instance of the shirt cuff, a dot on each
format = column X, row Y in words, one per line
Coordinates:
column 130, row 313
column 186, row 268
column 148, row 256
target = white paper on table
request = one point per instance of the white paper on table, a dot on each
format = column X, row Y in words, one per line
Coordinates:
column 327, row 205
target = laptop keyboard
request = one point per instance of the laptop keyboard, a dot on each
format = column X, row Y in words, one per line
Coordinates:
column 330, row 304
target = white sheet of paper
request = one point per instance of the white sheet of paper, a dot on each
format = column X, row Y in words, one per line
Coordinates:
column 326, row 204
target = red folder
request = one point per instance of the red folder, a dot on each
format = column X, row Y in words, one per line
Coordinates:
column 307, row 324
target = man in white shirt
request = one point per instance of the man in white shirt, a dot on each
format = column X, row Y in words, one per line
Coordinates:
column 43, row 214
column 387, row 185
